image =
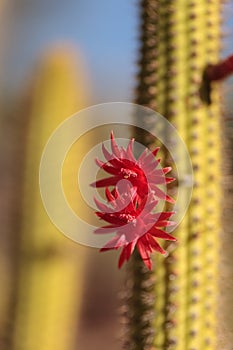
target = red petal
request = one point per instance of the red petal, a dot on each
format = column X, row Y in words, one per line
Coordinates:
column 156, row 172
column 169, row 179
column 115, row 193
column 149, row 164
column 165, row 223
column 105, row 229
column 111, row 218
column 109, row 195
column 118, row 163
column 156, row 151
column 114, row 146
column 109, row 181
column 150, row 159
column 130, row 248
column 110, row 169
column 147, row 204
column 122, row 257
column 99, row 162
column 164, row 215
column 111, row 158
column 167, row 169
column 144, row 254
column 126, row 253
column 124, row 154
column 161, row 234
column 160, row 194
column 142, row 156
column 102, row 206
column 155, row 245
column 110, row 245
column 159, row 180
column 145, row 241
column 108, row 156
column 114, row 243
column 129, row 150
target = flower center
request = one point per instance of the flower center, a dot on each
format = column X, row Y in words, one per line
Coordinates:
column 128, row 173
column 128, row 218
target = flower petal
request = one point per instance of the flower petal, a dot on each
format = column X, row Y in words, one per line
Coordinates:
column 102, row 206
column 165, row 223
column 112, row 218
column 108, row 181
column 108, row 156
column 167, row 169
column 170, row 179
column 155, row 232
column 144, row 254
column 115, row 149
column 109, row 195
column 106, row 229
column 129, row 150
column 110, row 169
column 155, row 245
column 156, row 151
column 126, row 253
column 163, row 215
column 160, row 194
column 114, row 243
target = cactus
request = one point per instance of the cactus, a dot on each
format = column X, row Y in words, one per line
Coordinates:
column 9, row 130
column 178, row 40
column 50, row 271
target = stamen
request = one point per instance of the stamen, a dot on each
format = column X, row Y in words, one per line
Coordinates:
column 128, row 173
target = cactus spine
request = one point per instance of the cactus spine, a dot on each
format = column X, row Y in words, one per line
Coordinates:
column 49, row 289
column 178, row 39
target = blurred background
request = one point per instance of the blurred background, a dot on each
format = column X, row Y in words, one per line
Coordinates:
column 58, row 57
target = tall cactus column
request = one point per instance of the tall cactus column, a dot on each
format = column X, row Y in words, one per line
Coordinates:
column 50, row 279
column 205, row 209
column 174, row 109
column 214, row 164
column 197, row 142
column 178, row 39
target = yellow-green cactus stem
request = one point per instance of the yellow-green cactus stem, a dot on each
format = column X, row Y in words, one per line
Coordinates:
column 50, row 271
column 213, row 177
column 178, row 39
column 173, row 107
column 205, row 208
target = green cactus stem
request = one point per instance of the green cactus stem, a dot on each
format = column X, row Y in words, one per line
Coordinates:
column 178, row 40
column 49, row 288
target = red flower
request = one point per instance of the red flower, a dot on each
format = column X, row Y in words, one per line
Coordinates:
column 131, row 204
column 144, row 174
column 135, row 226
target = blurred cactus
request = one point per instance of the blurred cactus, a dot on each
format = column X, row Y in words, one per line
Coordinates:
column 50, row 270
column 8, row 185
column 178, row 40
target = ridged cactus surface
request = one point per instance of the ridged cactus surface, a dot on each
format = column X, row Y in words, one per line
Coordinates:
column 178, row 40
column 50, row 272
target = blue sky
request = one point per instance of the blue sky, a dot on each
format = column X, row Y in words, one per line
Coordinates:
column 105, row 31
